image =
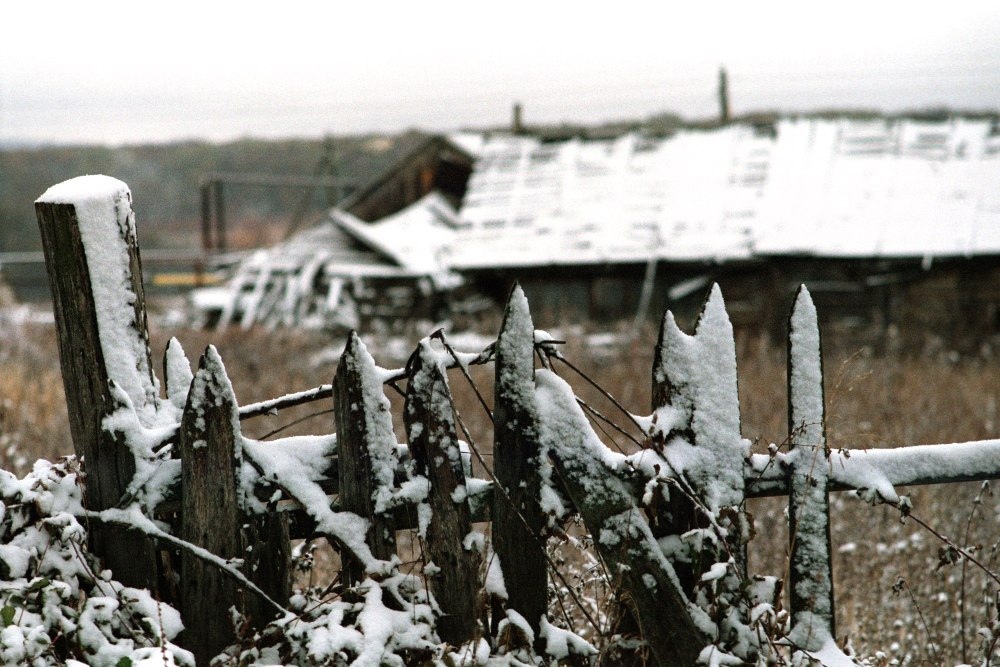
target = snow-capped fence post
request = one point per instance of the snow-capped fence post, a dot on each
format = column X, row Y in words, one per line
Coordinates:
column 210, row 448
column 453, row 548
column 366, row 450
column 811, row 571
column 695, row 387
column 95, row 274
column 518, row 521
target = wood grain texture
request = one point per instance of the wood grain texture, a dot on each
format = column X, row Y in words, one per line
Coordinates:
column 354, row 444
column 436, row 455
column 210, row 515
column 518, row 521
column 108, row 462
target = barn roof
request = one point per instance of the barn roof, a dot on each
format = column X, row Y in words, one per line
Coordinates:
column 413, row 238
column 837, row 188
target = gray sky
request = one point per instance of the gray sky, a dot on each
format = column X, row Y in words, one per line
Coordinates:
column 117, row 72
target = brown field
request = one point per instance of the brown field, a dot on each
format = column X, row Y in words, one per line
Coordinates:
column 873, row 401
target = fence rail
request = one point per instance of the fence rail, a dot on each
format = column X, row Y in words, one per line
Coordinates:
column 666, row 520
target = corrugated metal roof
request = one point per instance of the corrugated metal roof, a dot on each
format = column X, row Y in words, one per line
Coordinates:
column 807, row 186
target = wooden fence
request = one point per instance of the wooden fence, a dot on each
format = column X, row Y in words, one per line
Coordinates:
column 667, row 519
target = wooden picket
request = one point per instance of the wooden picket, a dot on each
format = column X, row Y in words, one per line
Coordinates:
column 811, row 571
column 210, row 505
column 517, row 518
column 362, row 430
column 454, row 556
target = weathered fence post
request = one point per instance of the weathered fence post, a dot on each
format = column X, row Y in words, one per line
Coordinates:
column 95, row 274
column 621, row 533
column 450, row 542
column 210, row 516
column 518, row 521
column 694, row 380
column 213, row 516
column 808, row 500
column 366, row 448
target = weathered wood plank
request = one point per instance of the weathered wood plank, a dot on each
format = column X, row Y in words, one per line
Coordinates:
column 267, row 554
column 102, row 336
column 210, row 515
column 449, row 542
column 621, row 532
column 811, row 573
column 366, row 450
column 518, row 521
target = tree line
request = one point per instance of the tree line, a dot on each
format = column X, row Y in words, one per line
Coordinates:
column 164, row 179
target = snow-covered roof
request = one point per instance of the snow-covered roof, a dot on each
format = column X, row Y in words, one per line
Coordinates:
column 838, row 188
column 412, row 238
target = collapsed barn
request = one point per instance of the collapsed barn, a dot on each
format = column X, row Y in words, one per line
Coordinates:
column 887, row 220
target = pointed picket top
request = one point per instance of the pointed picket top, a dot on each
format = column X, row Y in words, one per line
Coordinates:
column 429, row 383
column 696, row 375
column 811, row 571
column 518, row 520
column 515, row 349
column 367, row 455
column 212, row 388
column 375, row 411
column 805, row 371
column 177, row 373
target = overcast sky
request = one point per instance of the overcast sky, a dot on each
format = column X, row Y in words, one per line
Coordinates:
column 126, row 72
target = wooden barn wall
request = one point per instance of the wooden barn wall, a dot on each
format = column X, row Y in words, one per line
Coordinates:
column 435, row 167
column 954, row 300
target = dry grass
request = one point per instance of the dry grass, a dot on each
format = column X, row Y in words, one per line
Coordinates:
column 872, row 402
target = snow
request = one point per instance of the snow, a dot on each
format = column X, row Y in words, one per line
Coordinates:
column 717, row 571
column 495, row 584
column 713, row 656
column 836, row 188
column 62, row 599
column 697, row 434
column 178, row 372
column 415, row 238
column 289, row 470
column 805, row 372
column 881, row 470
column 516, row 621
column 701, row 370
column 514, row 380
column 565, row 431
column 560, row 644
column 381, row 440
column 820, row 646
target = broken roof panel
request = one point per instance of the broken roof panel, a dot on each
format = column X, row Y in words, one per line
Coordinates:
column 412, row 238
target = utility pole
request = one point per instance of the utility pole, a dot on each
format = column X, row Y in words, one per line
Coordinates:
column 516, row 122
column 723, row 97
column 328, row 167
